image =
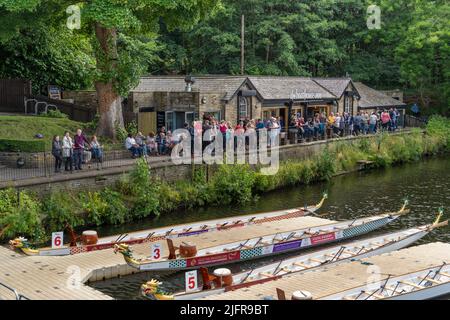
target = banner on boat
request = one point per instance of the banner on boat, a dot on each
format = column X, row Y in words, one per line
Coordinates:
column 323, row 238
column 213, row 259
column 287, row 246
column 192, row 233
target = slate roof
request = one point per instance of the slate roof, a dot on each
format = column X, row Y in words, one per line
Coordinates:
column 336, row 86
column 226, row 85
column 371, row 98
column 282, row 88
column 270, row 88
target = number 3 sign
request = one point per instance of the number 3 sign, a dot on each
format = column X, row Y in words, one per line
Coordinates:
column 156, row 251
column 191, row 281
column 57, row 239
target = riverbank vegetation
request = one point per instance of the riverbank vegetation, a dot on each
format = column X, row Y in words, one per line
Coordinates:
column 138, row 195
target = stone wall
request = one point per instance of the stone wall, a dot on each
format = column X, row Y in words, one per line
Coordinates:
column 30, row 160
column 95, row 180
column 86, row 98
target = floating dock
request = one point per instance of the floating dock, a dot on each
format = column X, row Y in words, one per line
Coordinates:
column 333, row 279
column 64, row 277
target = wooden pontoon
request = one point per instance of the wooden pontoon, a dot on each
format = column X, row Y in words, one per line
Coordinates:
column 171, row 232
column 426, row 284
column 257, row 247
column 303, row 263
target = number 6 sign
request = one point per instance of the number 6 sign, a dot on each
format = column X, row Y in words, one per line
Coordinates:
column 191, row 281
column 156, row 251
column 57, row 239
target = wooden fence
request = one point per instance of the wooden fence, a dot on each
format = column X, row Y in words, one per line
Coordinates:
column 12, row 94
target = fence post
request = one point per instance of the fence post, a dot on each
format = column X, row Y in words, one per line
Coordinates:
column 47, row 172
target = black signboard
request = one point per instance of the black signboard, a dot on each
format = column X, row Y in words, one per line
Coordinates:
column 160, row 119
column 248, row 93
column 147, row 109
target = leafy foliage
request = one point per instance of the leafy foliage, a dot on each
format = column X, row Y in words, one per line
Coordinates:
column 62, row 208
column 20, row 214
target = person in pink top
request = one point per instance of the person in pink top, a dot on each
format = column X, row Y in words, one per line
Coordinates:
column 385, row 120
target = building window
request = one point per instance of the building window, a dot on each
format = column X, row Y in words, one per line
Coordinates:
column 243, row 108
column 346, row 103
column 169, row 121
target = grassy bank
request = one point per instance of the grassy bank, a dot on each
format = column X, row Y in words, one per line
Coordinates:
column 27, row 127
column 137, row 195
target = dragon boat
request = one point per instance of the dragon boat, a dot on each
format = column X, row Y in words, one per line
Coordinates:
column 254, row 248
column 171, row 232
column 213, row 284
column 426, row 284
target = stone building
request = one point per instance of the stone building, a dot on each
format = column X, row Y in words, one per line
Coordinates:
column 171, row 101
column 377, row 101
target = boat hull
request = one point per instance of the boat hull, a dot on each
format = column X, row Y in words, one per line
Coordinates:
column 264, row 251
column 392, row 246
column 425, row 294
column 179, row 231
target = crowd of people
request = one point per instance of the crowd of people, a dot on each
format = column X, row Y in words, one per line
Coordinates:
column 344, row 124
column 337, row 124
column 76, row 151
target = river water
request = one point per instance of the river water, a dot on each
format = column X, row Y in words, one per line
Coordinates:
column 425, row 184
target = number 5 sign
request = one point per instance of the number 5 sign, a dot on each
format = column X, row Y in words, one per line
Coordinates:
column 191, row 281
column 156, row 251
column 57, row 239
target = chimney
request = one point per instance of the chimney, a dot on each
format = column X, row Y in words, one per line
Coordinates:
column 190, row 80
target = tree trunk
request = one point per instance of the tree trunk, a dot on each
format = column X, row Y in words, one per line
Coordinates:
column 109, row 102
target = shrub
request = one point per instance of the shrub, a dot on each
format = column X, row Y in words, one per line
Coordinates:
column 54, row 114
column 233, row 184
column 439, row 127
column 121, row 133
column 20, row 215
column 10, row 145
column 325, row 166
column 144, row 192
column 62, row 208
column 103, row 207
column 132, row 127
column 169, row 197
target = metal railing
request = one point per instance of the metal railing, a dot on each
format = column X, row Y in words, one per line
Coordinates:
column 22, row 165
column 17, row 295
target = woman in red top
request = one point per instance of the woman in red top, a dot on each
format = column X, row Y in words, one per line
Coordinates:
column 385, row 120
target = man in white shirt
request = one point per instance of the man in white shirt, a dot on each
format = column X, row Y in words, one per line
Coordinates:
column 337, row 124
column 132, row 146
column 373, row 123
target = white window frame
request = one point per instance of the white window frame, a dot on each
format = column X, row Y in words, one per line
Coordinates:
column 170, row 128
column 240, row 108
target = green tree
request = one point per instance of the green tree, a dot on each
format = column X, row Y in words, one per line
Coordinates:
column 121, row 30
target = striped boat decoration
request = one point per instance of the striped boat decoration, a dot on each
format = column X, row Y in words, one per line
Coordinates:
column 365, row 228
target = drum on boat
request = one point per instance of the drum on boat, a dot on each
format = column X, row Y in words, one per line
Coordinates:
column 89, row 237
column 224, row 278
column 301, row 295
column 188, row 250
